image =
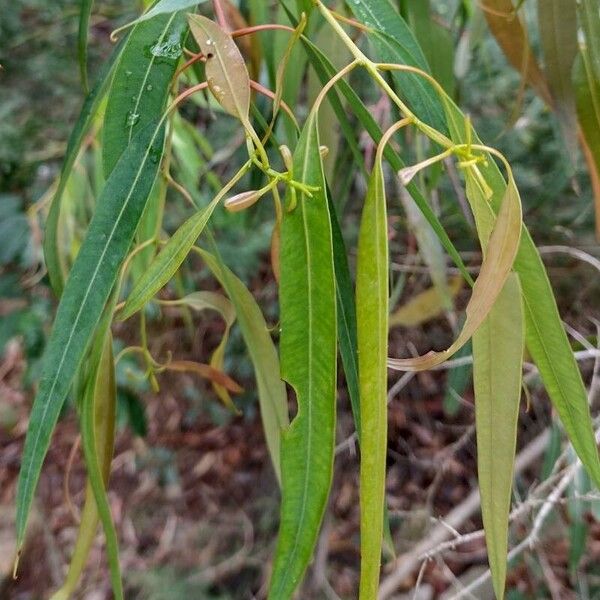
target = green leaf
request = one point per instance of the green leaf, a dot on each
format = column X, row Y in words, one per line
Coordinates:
column 558, row 33
column 98, row 461
column 436, row 41
column 308, row 364
column 394, row 42
column 160, row 8
column 372, row 329
column 225, row 67
column 545, row 336
column 140, row 85
column 104, row 398
column 346, row 314
column 590, row 21
column 498, row 259
column 325, row 70
column 88, row 287
column 263, row 354
column 587, row 97
column 497, row 375
column 166, row 263
column 82, row 40
column 53, row 254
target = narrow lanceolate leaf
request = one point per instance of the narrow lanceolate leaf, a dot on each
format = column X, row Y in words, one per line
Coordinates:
column 325, row 70
column 226, row 72
column 394, row 42
column 558, row 32
column 104, row 399
column 97, row 436
column 587, row 96
column 263, row 354
column 590, row 21
column 308, row 364
column 497, row 374
column 90, row 282
column 166, row 263
column 53, row 254
column 140, row 85
column 545, row 336
column 346, row 313
column 372, row 328
column 82, row 40
column 496, row 265
column 160, row 8
column 506, row 26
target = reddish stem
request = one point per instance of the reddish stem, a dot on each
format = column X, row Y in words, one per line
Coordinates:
column 257, row 28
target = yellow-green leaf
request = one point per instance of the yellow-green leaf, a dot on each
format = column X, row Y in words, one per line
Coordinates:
column 497, row 374
column 425, row 306
column 372, row 334
column 496, row 265
column 271, row 390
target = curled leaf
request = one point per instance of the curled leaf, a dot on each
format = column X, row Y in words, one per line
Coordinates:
column 496, row 265
column 206, row 372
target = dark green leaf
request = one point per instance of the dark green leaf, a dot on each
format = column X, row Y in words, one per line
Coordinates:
column 88, row 287
column 53, row 254
column 140, row 85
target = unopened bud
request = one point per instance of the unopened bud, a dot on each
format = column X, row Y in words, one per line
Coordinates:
column 243, row 200
column 323, row 151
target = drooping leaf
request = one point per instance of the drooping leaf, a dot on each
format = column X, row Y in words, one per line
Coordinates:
column 54, row 255
column 558, row 32
column 587, row 97
column 497, row 375
column 104, row 400
column 506, row 26
column 495, row 268
column 271, row 389
column 166, row 263
column 590, row 21
column 346, row 314
column 308, row 364
column 436, row 41
column 394, row 42
column 545, row 336
column 225, row 67
column 325, row 71
column 141, row 81
column 90, row 282
column 97, row 435
column 82, row 40
column 425, row 306
column 372, row 332
column 160, row 8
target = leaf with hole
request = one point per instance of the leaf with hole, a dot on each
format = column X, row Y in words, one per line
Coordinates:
column 308, row 364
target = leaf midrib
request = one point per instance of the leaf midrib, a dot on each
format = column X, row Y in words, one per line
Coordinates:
column 33, row 451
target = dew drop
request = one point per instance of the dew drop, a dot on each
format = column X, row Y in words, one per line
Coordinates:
column 132, row 118
column 149, row 87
